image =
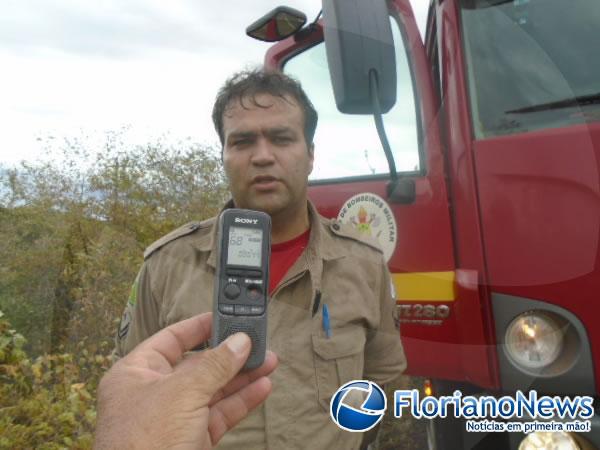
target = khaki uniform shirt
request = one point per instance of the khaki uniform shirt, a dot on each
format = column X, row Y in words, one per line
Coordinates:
column 176, row 282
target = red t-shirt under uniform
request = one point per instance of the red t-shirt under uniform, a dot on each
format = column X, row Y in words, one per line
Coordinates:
column 283, row 256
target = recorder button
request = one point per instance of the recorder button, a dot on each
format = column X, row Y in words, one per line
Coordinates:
column 254, row 273
column 254, row 292
column 256, row 310
column 226, row 309
column 242, row 309
column 232, row 291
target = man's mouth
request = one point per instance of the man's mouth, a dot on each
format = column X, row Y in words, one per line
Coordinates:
column 264, row 182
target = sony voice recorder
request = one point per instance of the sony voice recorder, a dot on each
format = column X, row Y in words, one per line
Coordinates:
column 242, row 279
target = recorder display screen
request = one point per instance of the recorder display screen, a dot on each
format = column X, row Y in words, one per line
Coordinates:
column 245, row 246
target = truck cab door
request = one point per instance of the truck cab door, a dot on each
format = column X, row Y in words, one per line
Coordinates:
column 349, row 182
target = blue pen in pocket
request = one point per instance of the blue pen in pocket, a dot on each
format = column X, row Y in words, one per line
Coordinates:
column 326, row 323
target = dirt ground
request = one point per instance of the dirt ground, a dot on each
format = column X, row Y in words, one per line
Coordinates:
column 405, row 433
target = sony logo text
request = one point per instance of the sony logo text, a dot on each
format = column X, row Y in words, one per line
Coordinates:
column 243, row 220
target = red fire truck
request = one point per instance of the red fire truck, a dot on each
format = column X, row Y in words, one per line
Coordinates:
column 486, row 199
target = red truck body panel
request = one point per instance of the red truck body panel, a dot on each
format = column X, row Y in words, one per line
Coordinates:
column 517, row 214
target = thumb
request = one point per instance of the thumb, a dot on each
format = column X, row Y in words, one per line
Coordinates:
column 216, row 367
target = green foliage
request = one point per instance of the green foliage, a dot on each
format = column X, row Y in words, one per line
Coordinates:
column 46, row 403
column 105, row 275
column 148, row 191
column 73, row 227
column 31, row 250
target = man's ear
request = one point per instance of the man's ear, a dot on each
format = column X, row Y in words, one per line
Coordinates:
column 311, row 157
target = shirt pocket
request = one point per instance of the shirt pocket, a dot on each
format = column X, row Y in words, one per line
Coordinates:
column 338, row 359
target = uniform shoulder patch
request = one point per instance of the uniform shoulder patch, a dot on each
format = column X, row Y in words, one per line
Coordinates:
column 124, row 324
column 186, row 229
column 348, row 232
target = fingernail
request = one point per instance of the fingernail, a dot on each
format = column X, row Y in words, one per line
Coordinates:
column 238, row 342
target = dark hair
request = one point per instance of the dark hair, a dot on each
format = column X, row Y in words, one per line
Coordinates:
column 250, row 83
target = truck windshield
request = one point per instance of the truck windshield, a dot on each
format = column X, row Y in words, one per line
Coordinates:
column 531, row 64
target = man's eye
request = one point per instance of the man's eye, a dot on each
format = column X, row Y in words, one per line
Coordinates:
column 282, row 140
column 240, row 143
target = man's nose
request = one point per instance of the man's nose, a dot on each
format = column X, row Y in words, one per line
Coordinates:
column 262, row 153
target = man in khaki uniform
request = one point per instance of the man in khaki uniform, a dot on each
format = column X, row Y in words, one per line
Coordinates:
column 266, row 125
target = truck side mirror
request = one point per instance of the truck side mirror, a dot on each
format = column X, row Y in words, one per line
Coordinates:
column 358, row 39
column 277, row 24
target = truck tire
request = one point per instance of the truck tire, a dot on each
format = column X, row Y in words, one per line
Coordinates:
column 445, row 434
column 450, row 434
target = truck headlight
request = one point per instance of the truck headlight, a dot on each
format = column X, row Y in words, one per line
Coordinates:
column 548, row 441
column 534, row 340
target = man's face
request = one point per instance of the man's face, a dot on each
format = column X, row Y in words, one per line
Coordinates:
column 265, row 154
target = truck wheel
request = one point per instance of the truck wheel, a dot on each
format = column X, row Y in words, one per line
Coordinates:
column 445, row 433
column 449, row 433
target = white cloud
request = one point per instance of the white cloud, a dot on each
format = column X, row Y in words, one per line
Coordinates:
column 70, row 65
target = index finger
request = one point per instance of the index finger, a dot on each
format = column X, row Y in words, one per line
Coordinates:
column 172, row 342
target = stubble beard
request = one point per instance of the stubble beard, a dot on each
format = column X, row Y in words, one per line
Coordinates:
column 282, row 208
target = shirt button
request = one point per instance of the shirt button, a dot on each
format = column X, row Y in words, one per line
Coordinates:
column 336, row 227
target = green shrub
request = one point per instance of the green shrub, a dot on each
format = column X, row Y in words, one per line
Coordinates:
column 49, row 402
column 73, row 227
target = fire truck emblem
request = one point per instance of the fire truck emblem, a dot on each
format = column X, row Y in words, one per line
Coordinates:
column 371, row 215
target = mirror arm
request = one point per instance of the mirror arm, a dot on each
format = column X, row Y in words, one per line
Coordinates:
column 397, row 190
column 305, row 32
column 374, row 87
column 318, row 17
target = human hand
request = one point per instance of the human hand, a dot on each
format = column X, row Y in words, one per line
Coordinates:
column 152, row 398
